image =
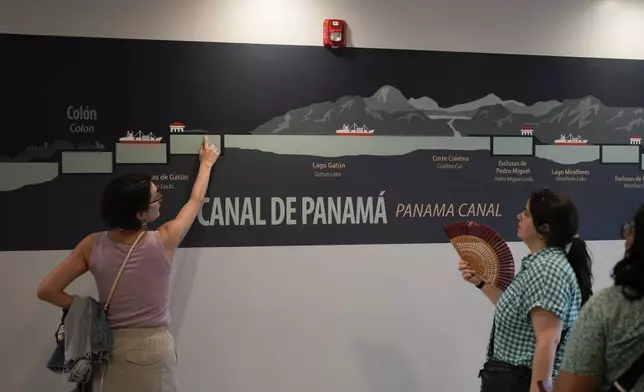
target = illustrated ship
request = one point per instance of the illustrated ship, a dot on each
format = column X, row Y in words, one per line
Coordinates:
column 354, row 130
column 140, row 138
column 571, row 140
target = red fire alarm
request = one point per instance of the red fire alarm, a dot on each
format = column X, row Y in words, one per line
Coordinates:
column 334, row 33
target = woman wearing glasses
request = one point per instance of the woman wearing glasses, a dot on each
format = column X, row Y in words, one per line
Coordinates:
column 606, row 347
column 533, row 314
column 143, row 356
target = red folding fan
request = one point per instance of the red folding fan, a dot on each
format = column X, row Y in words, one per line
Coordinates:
column 485, row 251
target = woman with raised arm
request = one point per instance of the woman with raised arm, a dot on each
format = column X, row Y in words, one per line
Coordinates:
column 533, row 315
column 143, row 357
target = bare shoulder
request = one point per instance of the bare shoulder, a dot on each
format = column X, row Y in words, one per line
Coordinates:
column 89, row 240
column 166, row 241
column 86, row 245
column 167, row 235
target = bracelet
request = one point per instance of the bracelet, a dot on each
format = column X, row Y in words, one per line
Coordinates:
column 480, row 285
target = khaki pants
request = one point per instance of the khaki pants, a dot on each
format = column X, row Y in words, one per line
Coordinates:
column 143, row 360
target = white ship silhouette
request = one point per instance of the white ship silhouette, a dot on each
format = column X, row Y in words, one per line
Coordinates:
column 354, row 130
column 571, row 140
column 140, row 138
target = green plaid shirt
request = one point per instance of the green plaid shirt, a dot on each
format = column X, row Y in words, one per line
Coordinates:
column 546, row 279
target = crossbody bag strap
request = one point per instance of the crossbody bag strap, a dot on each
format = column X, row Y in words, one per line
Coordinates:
column 118, row 275
column 490, row 346
column 629, row 378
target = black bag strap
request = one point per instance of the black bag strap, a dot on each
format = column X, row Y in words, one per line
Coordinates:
column 490, row 345
column 629, row 378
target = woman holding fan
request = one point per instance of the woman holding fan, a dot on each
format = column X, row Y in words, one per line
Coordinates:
column 533, row 315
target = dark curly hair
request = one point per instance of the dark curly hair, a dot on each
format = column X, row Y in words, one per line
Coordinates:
column 629, row 272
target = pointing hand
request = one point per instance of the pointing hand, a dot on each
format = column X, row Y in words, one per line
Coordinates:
column 208, row 154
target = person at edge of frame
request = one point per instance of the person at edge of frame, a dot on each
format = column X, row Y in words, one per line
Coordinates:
column 606, row 347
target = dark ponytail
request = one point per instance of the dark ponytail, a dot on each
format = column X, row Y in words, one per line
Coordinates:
column 581, row 262
column 555, row 216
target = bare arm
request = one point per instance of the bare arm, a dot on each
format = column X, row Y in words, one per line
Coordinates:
column 52, row 288
column 547, row 330
column 172, row 232
column 492, row 293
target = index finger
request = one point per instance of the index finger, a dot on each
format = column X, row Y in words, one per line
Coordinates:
column 205, row 139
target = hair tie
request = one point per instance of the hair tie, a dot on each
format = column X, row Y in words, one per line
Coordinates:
column 569, row 245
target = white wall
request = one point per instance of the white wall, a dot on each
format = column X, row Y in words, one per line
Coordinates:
column 342, row 319
column 328, row 318
column 591, row 28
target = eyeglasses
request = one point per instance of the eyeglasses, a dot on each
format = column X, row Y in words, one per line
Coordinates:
column 626, row 229
column 158, row 198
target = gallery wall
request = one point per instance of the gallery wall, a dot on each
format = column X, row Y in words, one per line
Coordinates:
column 363, row 317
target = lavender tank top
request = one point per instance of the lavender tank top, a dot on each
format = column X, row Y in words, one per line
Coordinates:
column 142, row 296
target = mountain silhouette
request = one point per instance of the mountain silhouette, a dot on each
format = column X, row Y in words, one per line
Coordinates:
column 538, row 109
column 494, row 120
column 389, row 112
column 389, row 99
column 470, row 108
column 586, row 117
column 424, row 103
column 589, row 118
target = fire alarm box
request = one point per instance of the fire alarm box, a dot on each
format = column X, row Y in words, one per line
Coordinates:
column 334, row 33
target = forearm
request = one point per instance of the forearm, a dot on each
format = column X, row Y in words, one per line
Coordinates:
column 201, row 183
column 543, row 364
column 493, row 293
column 60, row 299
